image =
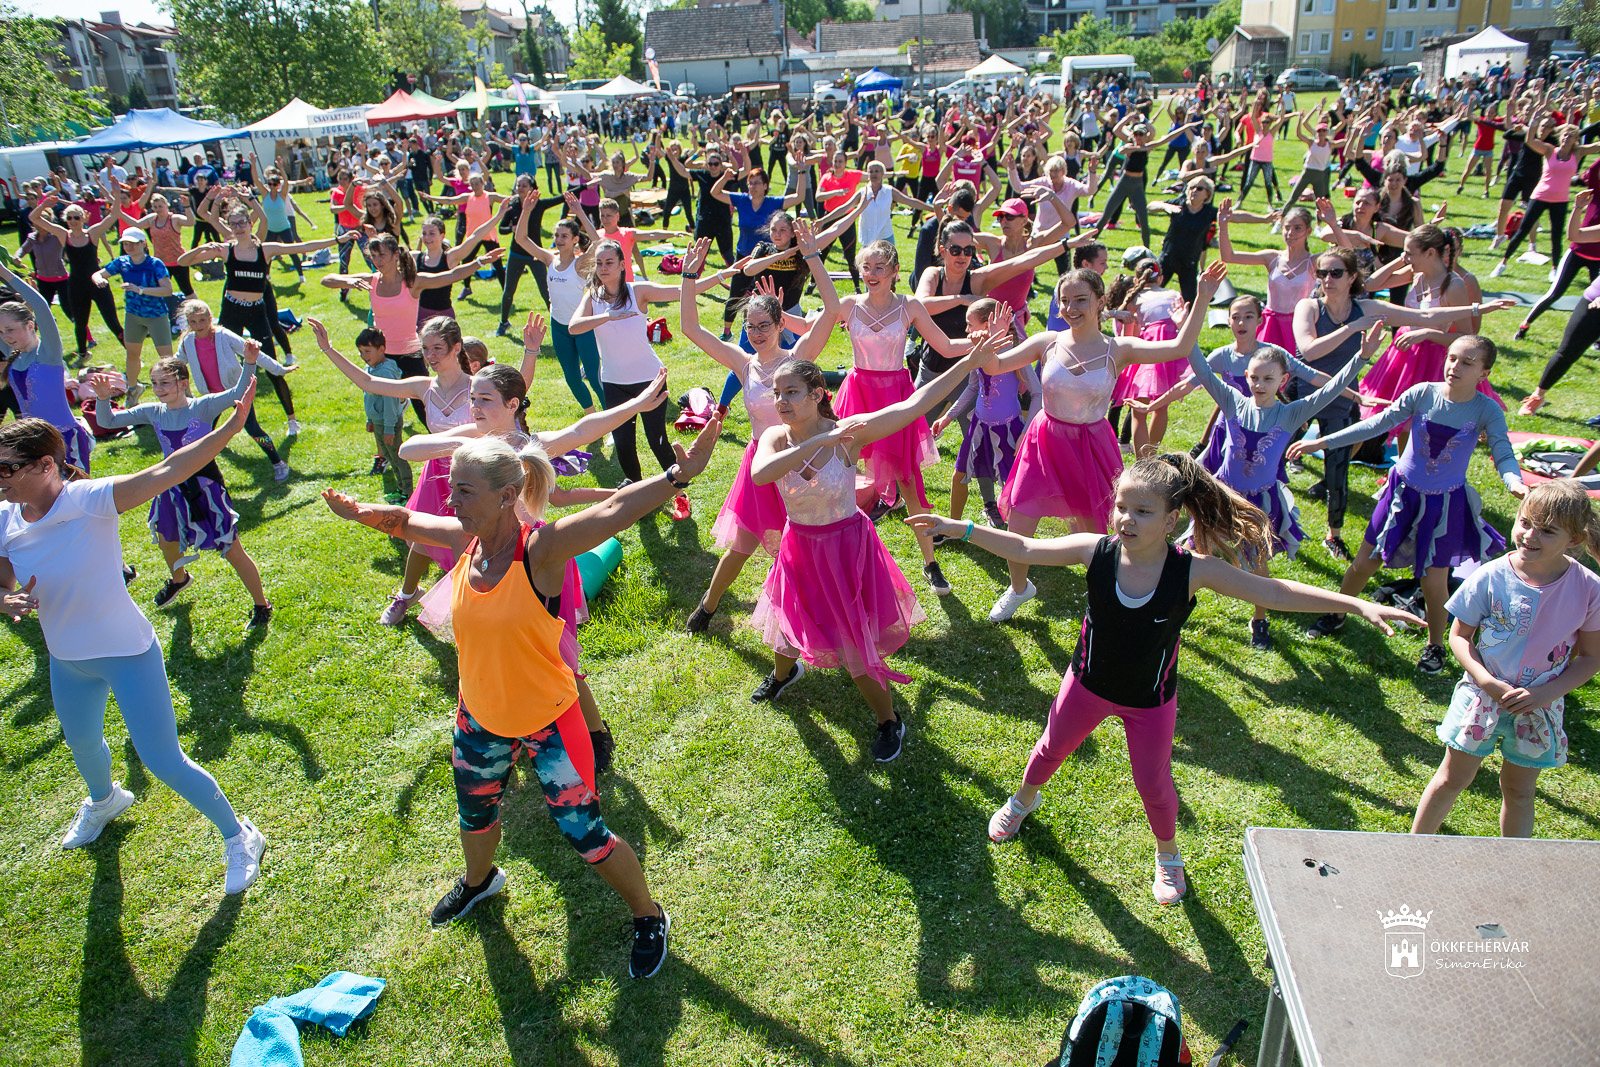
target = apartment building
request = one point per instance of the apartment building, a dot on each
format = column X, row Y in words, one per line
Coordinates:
column 108, row 56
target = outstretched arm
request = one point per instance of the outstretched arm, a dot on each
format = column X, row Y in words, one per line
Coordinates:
column 128, row 491
column 1073, row 550
column 443, row 531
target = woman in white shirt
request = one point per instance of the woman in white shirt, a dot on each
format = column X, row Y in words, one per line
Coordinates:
column 60, row 558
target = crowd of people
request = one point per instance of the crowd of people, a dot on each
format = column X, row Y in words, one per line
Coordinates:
column 1052, row 396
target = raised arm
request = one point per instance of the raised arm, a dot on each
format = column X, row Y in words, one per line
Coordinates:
column 406, row 388
column 1225, row 249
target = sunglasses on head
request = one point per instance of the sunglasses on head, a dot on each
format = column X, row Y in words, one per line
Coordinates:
column 7, row 470
column 1331, row 272
column 961, row 250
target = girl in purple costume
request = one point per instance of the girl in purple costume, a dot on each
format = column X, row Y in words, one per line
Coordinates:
column 197, row 514
column 37, row 369
column 1428, row 517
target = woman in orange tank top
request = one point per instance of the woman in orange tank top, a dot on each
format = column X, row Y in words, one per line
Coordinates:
column 478, row 207
column 516, row 691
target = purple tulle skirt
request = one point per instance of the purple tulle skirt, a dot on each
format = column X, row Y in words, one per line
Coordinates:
column 835, row 598
column 1067, row 470
column 1146, row 381
column 752, row 515
column 1278, row 502
column 430, row 497
column 1277, row 328
column 197, row 518
column 901, row 456
column 989, row 449
column 1421, row 530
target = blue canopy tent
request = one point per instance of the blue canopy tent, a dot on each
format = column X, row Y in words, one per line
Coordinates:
column 159, row 127
column 874, row 81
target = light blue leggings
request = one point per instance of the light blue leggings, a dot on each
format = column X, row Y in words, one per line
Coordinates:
column 80, row 688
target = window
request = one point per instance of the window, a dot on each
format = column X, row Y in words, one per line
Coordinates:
column 1388, row 40
column 1516, row 3
column 1347, row 35
column 1372, row 34
column 1305, row 43
column 1449, row 5
column 1535, row 3
column 1324, row 41
column 1327, row 7
column 1408, row 40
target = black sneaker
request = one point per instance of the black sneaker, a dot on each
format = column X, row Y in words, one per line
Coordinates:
column 771, row 688
column 1317, row 491
column 936, row 578
column 891, row 737
column 128, row 574
column 883, row 507
column 172, row 588
column 992, row 513
column 604, row 744
column 463, row 898
column 939, row 539
column 502, row 329
column 1294, row 466
column 260, row 615
column 379, row 465
column 699, row 619
column 1325, row 625
column 649, row 944
column 1432, row 659
column 1260, row 635
column 1337, row 548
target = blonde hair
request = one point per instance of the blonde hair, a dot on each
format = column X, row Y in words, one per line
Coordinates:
column 493, row 458
column 886, row 249
column 1562, row 503
column 538, row 478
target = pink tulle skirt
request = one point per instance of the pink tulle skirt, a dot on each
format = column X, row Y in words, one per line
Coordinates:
column 1277, row 328
column 1402, row 366
column 1146, row 381
column 753, row 515
column 431, row 497
column 835, row 598
column 1065, row 470
column 901, row 456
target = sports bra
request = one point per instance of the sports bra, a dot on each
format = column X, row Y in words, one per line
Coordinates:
column 1135, row 161
column 438, row 298
column 245, row 276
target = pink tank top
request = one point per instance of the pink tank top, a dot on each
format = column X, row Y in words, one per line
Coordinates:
column 1262, row 152
column 396, row 316
column 1285, row 289
column 478, row 209
column 879, row 343
column 1555, row 183
column 1013, row 292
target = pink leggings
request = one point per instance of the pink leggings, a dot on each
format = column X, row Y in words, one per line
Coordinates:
column 1073, row 717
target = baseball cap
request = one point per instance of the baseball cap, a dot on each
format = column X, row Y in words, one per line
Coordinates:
column 1014, row 206
column 133, row 233
column 1132, row 256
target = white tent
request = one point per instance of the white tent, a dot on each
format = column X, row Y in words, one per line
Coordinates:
column 995, row 67
column 299, row 119
column 1489, row 48
column 621, row 85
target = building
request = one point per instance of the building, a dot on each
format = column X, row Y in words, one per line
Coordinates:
column 1346, row 37
column 718, row 46
column 947, row 49
column 108, row 57
column 1136, row 18
column 496, row 38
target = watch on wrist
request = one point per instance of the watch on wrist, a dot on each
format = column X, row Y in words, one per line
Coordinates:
column 672, row 473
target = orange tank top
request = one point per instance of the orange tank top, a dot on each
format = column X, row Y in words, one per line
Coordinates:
column 478, row 209
column 508, row 650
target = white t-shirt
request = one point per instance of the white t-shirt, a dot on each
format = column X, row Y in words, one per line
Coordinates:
column 75, row 553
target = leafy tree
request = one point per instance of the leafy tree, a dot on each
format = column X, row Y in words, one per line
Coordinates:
column 804, row 15
column 1090, row 37
column 1584, row 18
column 31, row 95
column 250, row 57
column 424, row 38
column 592, row 57
column 137, row 97
column 532, row 50
column 1006, row 23
column 619, row 27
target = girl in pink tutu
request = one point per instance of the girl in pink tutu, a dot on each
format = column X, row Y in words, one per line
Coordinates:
column 752, row 516
column 444, row 399
column 877, row 322
column 1156, row 313
column 1291, row 274
column 1417, row 353
column 834, row 597
column 1068, row 460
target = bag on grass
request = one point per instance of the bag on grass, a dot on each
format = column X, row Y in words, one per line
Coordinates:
column 657, row 331
column 1513, row 223
column 672, row 264
column 698, row 406
column 1125, row 1022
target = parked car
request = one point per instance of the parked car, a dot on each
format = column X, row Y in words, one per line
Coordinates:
column 687, row 89
column 1568, row 56
column 1048, row 84
column 1301, row 78
column 828, row 93
column 1397, row 75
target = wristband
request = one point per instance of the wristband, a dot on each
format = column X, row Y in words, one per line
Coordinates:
column 689, row 277
column 671, row 477
column 968, row 535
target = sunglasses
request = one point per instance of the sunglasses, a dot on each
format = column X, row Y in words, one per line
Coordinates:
column 961, row 250
column 8, row 470
column 1331, row 272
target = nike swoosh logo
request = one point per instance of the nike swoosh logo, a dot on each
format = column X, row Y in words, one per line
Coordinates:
column 1164, row 620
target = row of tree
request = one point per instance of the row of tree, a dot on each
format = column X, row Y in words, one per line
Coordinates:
column 1181, row 45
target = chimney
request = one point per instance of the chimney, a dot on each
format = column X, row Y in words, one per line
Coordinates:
column 114, row 18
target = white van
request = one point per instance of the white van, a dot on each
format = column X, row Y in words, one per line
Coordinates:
column 1075, row 68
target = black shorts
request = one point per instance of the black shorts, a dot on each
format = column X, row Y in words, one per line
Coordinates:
column 1520, row 186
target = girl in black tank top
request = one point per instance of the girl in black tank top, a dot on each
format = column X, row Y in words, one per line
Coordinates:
column 1141, row 589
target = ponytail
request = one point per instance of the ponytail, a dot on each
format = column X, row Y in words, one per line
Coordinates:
column 1225, row 523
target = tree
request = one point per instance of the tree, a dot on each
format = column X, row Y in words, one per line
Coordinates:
column 619, row 26
column 31, row 96
column 1006, row 23
column 593, row 58
column 804, row 15
column 1584, row 18
column 532, row 51
column 424, row 38
column 137, row 97
column 250, row 57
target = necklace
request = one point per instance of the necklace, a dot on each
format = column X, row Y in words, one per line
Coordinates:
column 483, row 564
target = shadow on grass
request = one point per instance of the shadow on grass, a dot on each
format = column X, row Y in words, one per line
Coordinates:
column 119, row 1023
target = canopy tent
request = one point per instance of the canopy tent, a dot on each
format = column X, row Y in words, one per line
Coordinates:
column 469, row 101
column 995, row 67
column 622, row 85
column 428, row 99
column 1489, row 48
column 409, row 107
column 298, row 119
column 159, row 127
column 875, row 80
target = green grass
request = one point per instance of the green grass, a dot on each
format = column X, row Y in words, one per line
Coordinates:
column 826, row 910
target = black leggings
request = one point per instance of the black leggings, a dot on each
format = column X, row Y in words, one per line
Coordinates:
column 678, row 196
column 257, row 434
column 1530, row 218
column 499, row 264
column 1566, row 274
column 257, row 318
column 1188, row 275
column 515, row 265
column 412, row 366
column 847, row 247
column 86, row 296
column 1182, row 152
column 1336, row 461
column 1583, row 330
column 927, row 189
column 655, row 431
column 777, row 158
column 721, row 231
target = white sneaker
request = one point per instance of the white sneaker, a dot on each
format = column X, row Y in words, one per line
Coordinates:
column 293, row 429
column 280, row 471
column 1010, row 601
column 244, row 857
column 1552, row 275
column 1170, row 885
column 1277, row 227
column 92, row 818
column 1499, row 269
column 1004, row 824
column 1494, row 245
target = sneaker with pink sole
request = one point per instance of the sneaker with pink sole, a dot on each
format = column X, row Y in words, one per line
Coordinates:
column 1004, row 824
column 1170, row 885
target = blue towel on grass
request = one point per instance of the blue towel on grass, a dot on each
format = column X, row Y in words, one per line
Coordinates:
column 271, row 1039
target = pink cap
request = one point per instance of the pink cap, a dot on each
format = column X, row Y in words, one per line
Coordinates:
column 1015, row 206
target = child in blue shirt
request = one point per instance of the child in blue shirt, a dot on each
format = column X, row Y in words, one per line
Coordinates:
column 146, row 285
column 385, row 414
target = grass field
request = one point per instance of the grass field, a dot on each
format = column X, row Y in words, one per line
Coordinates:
column 826, row 910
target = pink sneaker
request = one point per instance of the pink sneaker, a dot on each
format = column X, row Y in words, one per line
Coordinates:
column 1004, row 824
column 399, row 604
column 1170, row 884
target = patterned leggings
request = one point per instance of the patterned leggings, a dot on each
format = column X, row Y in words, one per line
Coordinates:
column 482, row 761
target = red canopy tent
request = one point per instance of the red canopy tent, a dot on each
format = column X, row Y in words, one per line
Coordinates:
column 403, row 107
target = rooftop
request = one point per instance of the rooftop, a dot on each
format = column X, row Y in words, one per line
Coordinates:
column 682, row 34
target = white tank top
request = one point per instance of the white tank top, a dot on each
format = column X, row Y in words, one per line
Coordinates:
column 566, row 290
column 876, row 221
column 626, row 357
